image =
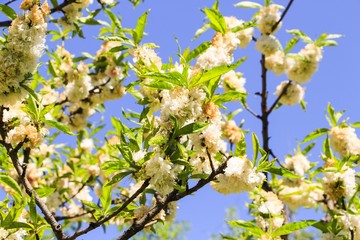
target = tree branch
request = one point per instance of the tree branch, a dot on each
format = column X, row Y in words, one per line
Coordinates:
column 94, row 225
column 282, row 15
column 279, row 97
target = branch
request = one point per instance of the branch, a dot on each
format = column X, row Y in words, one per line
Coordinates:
column 251, row 111
column 138, row 225
column 94, row 225
column 282, row 15
column 53, row 10
column 75, row 194
column 61, row 218
column 9, row 2
column 279, row 97
column 56, row 227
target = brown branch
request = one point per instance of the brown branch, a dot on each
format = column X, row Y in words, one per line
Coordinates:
column 49, row 217
column 9, row 2
column 138, row 225
column 53, row 10
column 251, row 111
column 94, row 225
column 62, row 218
column 282, row 15
column 283, row 92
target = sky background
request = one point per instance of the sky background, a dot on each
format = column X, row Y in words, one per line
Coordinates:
column 337, row 81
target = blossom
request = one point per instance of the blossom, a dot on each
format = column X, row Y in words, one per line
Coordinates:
column 267, row 45
column 239, row 175
column 146, row 56
column 276, row 62
column 232, row 132
column 268, row 16
column 340, row 183
column 245, row 35
column 233, row 81
column 87, row 144
column 344, row 141
column 298, row 163
column 294, row 93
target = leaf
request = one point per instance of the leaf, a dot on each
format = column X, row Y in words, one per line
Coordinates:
column 355, row 125
column 244, row 25
column 118, row 177
column 8, row 11
column 140, row 26
column 62, row 127
column 300, row 34
column 217, row 21
column 45, row 191
column 240, row 148
column 227, row 97
column 327, row 149
column 32, row 209
column 30, row 91
column 11, row 183
column 249, row 226
column 256, row 146
column 105, row 197
column 281, row 172
column 248, row 4
column 197, row 51
column 217, row 72
column 315, row 134
column 201, row 30
column 159, row 85
column 168, row 77
column 19, row 225
column 191, row 128
column 157, row 140
column 290, row 44
column 291, row 227
column 308, row 148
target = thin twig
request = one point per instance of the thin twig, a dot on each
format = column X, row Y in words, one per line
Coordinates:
column 75, row 194
column 251, row 111
column 282, row 15
column 283, row 92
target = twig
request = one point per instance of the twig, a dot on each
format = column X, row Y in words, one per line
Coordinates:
column 94, row 225
column 9, row 2
column 279, row 97
column 61, row 218
column 282, row 15
column 53, row 10
column 210, row 160
column 75, row 194
column 251, row 111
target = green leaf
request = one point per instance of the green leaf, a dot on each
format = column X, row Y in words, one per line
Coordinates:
column 290, row 44
column 30, row 91
column 157, row 140
column 191, row 128
column 308, row 148
column 227, row 97
column 8, row 11
column 256, row 146
column 315, row 134
column 45, row 191
column 201, row 30
column 281, row 172
column 244, row 25
column 168, row 77
column 91, row 205
column 248, row 4
column 216, row 72
column 19, row 225
column 248, row 226
column 117, row 178
column 217, row 21
column 300, row 34
column 327, row 149
column 11, row 183
column 140, row 26
column 32, row 209
column 240, row 148
column 159, row 85
column 197, row 51
column 355, row 125
column 62, row 127
column 105, row 197
column 291, row 227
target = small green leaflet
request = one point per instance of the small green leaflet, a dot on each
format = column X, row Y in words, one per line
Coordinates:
column 216, row 72
column 245, row 25
column 249, row 226
column 217, row 21
column 292, row 227
column 140, row 26
column 227, row 97
column 281, row 172
column 300, row 34
column 248, row 4
column 11, row 183
column 197, row 51
column 117, row 178
column 62, row 127
column 315, row 134
column 8, row 11
column 290, row 44
column 191, row 128
column 167, row 77
column 201, row 30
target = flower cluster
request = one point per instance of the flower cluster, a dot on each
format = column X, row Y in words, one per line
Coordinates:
column 239, row 175
column 20, row 53
column 73, row 12
column 344, row 141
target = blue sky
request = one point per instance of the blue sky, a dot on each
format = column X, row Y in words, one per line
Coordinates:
column 337, row 81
